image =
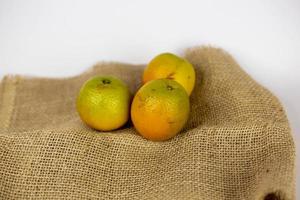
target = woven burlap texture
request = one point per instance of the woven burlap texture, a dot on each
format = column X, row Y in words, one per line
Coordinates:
column 236, row 145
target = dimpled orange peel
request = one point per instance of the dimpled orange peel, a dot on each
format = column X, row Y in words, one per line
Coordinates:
column 103, row 103
column 170, row 66
column 160, row 109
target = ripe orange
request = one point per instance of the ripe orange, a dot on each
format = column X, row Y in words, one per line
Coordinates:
column 160, row 109
column 103, row 103
column 170, row 66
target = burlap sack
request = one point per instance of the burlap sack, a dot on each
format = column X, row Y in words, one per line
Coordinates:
column 237, row 143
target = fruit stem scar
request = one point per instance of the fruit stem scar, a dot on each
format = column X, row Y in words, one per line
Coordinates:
column 169, row 87
column 170, row 76
column 105, row 81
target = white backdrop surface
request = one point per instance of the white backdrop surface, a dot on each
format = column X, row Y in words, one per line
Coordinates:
column 58, row 38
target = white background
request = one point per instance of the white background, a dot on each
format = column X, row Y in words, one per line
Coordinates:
column 60, row 38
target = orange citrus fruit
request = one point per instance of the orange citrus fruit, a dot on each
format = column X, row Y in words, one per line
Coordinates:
column 160, row 109
column 170, row 66
column 103, row 103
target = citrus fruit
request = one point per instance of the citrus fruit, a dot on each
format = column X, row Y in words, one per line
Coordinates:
column 160, row 109
column 170, row 66
column 103, row 103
